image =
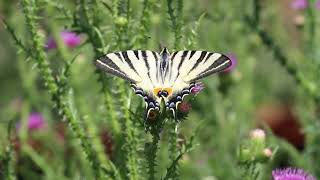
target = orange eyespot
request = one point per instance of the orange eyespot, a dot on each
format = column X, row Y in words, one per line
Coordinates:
column 156, row 91
column 162, row 92
column 169, row 90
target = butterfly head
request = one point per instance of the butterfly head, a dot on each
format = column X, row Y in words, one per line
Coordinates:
column 164, row 51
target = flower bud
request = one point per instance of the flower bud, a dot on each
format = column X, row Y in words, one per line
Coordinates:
column 121, row 21
column 258, row 134
column 267, row 152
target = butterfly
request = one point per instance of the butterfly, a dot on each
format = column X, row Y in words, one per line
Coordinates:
column 162, row 76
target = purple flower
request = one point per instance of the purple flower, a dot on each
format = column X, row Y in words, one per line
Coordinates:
column 234, row 61
column 197, row 88
column 299, row 4
column 35, row 122
column 291, row 174
column 70, row 39
column 184, row 107
column 318, row 5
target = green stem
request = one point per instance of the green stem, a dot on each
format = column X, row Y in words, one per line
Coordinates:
column 256, row 11
column 194, row 33
column 91, row 28
column 172, row 172
column 9, row 155
column 175, row 15
column 121, row 36
column 152, row 157
column 173, row 150
column 311, row 32
column 144, row 28
column 63, row 103
column 129, row 130
column 270, row 44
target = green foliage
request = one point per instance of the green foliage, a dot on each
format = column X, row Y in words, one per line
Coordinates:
column 95, row 124
column 8, row 157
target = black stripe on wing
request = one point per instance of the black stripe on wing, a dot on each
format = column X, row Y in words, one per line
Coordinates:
column 145, row 59
column 192, row 53
column 171, row 63
column 218, row 65
column 136, row 53
column 201, row 66
column 106, row 64
column 209, row 55
column 128, row 61
column 203, row 54
column 183, row 57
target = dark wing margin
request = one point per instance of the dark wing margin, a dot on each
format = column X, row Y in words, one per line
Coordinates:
column 121, row 64
column 222, row 63
column 107, row 65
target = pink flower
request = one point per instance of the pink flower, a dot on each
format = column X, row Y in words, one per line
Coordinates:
column 299, row 4
column 258, row 134
column 35, row 122
column 267, row 152
column 291, row 174
column 234, row 61
column 70, row 39
column 197, row 88
column 318, row 5
column 184, row 107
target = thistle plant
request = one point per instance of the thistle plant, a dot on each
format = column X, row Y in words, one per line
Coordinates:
column 89, row 124
column 59, row 98
column 8, row 157
column 254, row 152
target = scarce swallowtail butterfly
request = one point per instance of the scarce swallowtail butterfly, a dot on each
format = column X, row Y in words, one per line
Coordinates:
column 165, row 76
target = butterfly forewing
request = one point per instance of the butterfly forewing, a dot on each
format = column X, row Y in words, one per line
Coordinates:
column 138, row 67
column 199, row 64
column 189, row 66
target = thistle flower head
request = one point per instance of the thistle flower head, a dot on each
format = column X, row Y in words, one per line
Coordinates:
column 291, row 174
column 35, row 122
column 184, row 107
column 318, row 5
column 70, row 39
column 299, row 4
column 257, row 134
column 197, row 88
column 234, row 61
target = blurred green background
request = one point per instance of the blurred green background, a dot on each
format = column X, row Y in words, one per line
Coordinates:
column 258, row 92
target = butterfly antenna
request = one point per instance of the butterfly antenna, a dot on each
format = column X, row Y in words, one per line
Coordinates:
column 161, row 46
